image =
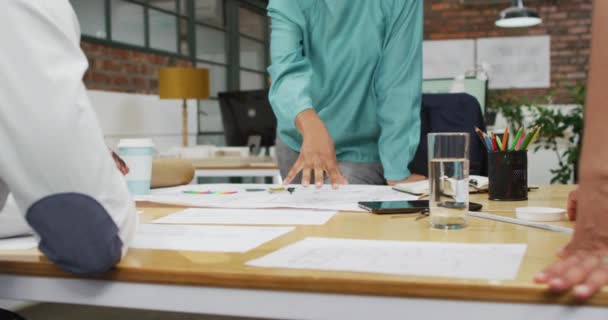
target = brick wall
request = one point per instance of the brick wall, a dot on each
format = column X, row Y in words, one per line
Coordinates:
column 568, row 22
column 124, row 70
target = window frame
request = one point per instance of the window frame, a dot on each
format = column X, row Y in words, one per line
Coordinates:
column 230, row 29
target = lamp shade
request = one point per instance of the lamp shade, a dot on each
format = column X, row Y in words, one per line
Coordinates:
column 518, row 16
column 183, row 83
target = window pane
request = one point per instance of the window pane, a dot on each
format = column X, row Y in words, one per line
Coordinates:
column 163, row 4
column 252, row 54
column 91, row 15
column 210, row 12
column 217, row 75
column 252, row 80
column 251, row 23
column 212, row 121
column 163, row 30
column 128, row 22
column 210, row 44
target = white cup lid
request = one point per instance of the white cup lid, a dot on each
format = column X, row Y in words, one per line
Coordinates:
column 135, row 143
column 540, row 213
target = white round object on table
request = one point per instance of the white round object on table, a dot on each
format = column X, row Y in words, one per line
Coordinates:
column 540, row 213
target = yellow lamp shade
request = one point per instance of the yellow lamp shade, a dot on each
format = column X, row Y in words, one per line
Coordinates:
column 183, row 83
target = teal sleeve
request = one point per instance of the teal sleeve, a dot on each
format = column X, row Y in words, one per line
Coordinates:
column 398, row 87
column 290, row 71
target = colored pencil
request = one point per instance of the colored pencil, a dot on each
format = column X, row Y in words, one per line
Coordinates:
column 516, row 139
column 480, row 135
column 488, row 141
column 499, row 144
column 524, row 144
column 533, row 137
column 493, row 138
column 505, row 139
column 520, row 140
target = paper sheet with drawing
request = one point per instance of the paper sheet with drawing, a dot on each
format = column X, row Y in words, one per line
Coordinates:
column 204, row 238
column 248, row 216
column 435, row 259
column 325, row 198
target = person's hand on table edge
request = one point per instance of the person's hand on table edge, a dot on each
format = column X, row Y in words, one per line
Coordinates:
column 120, row 164
column 317, row 154
column 412, row 178
column 583, row 263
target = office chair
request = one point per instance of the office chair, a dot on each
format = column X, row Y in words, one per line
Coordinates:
column 7, row 315
column 451, row 112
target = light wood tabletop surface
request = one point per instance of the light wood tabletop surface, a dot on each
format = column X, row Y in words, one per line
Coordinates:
column 229, row 269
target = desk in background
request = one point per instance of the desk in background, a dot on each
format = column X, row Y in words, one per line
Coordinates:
column 220, row 283
column 256, row 167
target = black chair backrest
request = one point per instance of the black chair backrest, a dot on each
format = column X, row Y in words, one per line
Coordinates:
column 451, row 112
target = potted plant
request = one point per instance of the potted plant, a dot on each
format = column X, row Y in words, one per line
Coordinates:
column 557, row 126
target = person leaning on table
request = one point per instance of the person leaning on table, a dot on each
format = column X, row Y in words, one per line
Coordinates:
column 54, row 162
column 584, row 261
column 346, row 88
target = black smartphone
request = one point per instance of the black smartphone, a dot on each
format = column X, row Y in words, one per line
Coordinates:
column 390, row 207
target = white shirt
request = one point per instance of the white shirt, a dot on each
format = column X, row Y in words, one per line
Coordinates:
column 50, row 138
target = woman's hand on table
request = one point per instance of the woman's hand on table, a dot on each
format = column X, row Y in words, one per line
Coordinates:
column 317, row 154
column 583, row 263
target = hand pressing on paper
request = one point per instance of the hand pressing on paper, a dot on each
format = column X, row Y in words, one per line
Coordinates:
column 412, row 178
column 120, row 164
column 583, row 264
column 317, row 155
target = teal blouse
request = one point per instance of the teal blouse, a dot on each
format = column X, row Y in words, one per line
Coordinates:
column 358, row 63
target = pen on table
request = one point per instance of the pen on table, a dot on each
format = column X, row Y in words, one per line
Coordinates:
column 516, row 139
column 505, row 139
column 522, row 222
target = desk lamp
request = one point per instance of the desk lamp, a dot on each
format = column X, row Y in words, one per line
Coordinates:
column 183, row 83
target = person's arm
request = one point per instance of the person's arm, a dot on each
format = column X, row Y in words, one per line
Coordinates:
column 54, row 159
column 290, row 96
column 398, row 88
column 584, row 263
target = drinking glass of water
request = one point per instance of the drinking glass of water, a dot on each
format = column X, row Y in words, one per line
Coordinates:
column 449, row 179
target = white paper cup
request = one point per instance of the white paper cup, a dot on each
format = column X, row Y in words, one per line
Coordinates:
column 137, row 153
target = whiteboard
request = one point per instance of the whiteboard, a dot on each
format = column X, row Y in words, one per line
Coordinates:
column 516, row 62
column 447, row 58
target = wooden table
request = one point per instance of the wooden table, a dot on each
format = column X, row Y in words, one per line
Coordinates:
column 238, row 167
column 220, row 283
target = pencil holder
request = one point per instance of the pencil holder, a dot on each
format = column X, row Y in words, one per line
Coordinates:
column 508, row 175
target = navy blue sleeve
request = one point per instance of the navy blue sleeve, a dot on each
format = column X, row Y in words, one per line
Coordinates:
column 76, row 233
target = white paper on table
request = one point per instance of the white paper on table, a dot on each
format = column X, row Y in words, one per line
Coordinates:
column 248, row 216
column 434, row 259
column 346, row 198
column 204, row 238
column 18, row 243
